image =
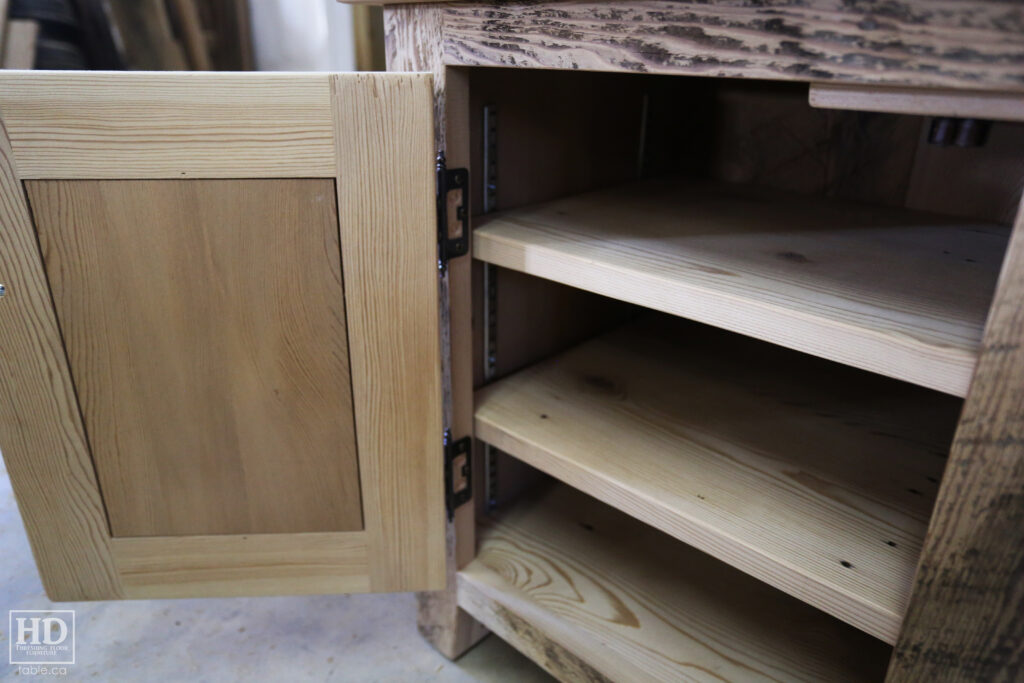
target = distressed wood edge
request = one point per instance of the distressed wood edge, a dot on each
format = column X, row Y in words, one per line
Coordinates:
column 440, row 620
column 918, row 101
column 523, row 634
column 963, row 620
column 42, row 434
column 794, row 42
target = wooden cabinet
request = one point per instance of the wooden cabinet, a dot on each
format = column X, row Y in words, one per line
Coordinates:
column 739, row 357
column 221, row 334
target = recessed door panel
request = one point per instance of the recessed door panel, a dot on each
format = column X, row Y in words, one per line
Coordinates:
column 204, row 322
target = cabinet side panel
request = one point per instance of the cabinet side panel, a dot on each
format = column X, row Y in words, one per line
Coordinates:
column 964, row 620
column 385, row 133
column 41, row 433
column 205, row 328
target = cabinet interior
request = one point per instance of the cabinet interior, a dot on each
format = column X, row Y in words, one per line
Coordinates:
column 801, row 440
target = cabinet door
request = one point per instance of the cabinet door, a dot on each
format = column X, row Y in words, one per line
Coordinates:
column 219, row 334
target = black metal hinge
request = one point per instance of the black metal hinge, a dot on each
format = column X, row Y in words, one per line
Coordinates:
column 458, row 472
column 452, row 203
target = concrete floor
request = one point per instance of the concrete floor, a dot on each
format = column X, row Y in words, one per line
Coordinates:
column 312, row 638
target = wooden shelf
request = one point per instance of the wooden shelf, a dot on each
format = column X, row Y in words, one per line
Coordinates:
column 590, row 593
column 811, row 476
column 900, row 293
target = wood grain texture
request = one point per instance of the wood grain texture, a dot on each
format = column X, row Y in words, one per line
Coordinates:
column 412, row 40
column 381, row 129
column 19, row 45
column 226, row 566
column 745, row 451
column 961, row 104
column 946, row 43
column 391, row 299
column 439, row 619
column 894, row 292
column 205, row 327
column 634, row 605
column 964, row 621
column 525, row 635
column 41, row 433
column 169, row 125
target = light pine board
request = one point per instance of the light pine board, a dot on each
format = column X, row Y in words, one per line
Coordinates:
column 391, row 295
column 782, row 465
column 257, row 564
column 41, row 432
column 205, row 327
column 964, row 621
column 564, row 573
column 169, row 125
column 899, row 293
column 920, row 101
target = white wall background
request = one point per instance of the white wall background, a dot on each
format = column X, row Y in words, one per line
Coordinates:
column 302, row 35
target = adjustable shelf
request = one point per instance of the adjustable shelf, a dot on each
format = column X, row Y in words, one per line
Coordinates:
column 590, row 593
column 813, row 477
column 896, row 292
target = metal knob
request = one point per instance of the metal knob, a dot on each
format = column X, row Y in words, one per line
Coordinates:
column 3, row 290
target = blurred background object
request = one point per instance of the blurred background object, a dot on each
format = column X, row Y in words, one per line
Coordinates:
column 191, row 35
column 316, row 35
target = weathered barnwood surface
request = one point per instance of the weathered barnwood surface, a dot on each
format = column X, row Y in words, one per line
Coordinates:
column 950, row 43
column 965, row 617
